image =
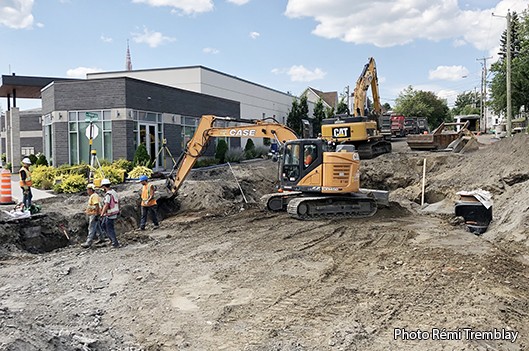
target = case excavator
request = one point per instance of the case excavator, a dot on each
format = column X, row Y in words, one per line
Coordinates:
column 316, row 179
column 360, row 129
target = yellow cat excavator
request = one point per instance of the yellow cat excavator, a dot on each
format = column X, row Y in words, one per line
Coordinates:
column 359, row 129
column 316, row 180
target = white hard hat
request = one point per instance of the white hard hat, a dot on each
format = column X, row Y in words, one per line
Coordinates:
column 91, row 186
column 26, row 161
column 105, row 182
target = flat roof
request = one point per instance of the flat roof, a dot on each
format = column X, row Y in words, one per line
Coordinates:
column 26, row 87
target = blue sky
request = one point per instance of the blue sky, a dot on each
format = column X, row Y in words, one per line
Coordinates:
column 287, row 45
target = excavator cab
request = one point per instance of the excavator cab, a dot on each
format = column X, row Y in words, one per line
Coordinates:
column 300, row 159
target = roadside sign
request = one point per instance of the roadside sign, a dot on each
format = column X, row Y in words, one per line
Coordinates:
column 91, row 116
column 95, row 131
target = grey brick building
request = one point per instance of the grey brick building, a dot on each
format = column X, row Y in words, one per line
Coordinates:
column 124, row 112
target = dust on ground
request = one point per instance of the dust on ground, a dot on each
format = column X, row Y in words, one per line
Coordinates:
column 221, row 274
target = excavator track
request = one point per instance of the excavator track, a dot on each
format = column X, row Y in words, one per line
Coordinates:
column 321, row 207
column 372, row 150
column 277, row 201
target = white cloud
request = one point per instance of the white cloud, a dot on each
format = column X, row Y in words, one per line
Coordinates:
column 151, row 38
column 239, row 2
column 210, row 51
column 186, row 6
column 106, row 39
column 254, row 35
column 16, row 14
column 459, row 42
column 451, row 73
column 81, row 72
column 302, row 74
column 399, row 22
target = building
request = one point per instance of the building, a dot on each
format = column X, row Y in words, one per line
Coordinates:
column 329, row 99
column 124, row 112
column 120, row 110
column 256, row 101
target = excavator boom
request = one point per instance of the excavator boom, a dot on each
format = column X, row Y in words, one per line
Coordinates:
column 206, row 130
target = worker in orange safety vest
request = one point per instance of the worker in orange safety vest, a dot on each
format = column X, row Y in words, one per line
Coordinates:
column 25, row 183
column 148, row 203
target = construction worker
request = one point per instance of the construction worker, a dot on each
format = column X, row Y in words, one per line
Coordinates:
column 148, row 203
column 308, row 158
column 93, row 210
column 110, row 211
column 25, row 183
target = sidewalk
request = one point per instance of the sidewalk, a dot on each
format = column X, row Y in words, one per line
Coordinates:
column 16, row 191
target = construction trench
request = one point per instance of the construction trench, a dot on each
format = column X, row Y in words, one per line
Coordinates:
column 220, row 274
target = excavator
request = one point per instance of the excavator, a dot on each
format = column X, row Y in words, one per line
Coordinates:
column 326, row 184
column 358, row 129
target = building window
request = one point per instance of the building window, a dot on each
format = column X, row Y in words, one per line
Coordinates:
column 28, row 150
column 79, row 135
column 189, row 126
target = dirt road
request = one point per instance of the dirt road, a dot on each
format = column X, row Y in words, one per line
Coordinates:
column 220, row 277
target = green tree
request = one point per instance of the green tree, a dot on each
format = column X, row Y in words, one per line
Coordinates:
column 249, row 149
column 220, row 152
column 141, row 157
column 467, row 103
column 41, row 160
column 294, row 117
column 329, row 112
column 33, row 159
column 519, row 68
column 319, row 115
column 412, row 102
column 342, row 107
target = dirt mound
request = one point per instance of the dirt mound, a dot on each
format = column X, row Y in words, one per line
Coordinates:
column 220, row 275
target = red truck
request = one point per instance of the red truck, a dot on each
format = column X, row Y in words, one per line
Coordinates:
column 398, row 127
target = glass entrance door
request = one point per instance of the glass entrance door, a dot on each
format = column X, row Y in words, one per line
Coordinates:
column 147, row 135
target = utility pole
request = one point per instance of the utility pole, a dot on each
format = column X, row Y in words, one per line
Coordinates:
column 483, row 99
column 509, row 104
column 508, row 73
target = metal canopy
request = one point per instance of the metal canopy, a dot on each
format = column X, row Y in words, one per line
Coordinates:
column 24, row 87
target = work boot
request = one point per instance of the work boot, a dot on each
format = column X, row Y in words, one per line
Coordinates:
column 100, row 241
column 87, row 244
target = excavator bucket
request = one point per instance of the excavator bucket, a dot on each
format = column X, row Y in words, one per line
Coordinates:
column 380, row 196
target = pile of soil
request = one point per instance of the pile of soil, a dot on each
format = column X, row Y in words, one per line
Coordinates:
column 220, row 274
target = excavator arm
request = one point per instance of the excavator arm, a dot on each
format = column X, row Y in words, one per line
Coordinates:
column 367, row 79
column 206, row 130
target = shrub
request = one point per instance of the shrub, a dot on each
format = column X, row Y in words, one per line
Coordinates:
column 123, row 164
column 114, row 174
column 71, row 183
column 9, row 166
column 33, row 159
column 206, row 161
column 41, row 160
column 222, row 148
column 235, row 155
column 266, row 141
column 140, row 170
column 141, row 157
column 261, row 151
column 104, row 162
column 249, row 149
column 43, row 177
column 81, row 169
